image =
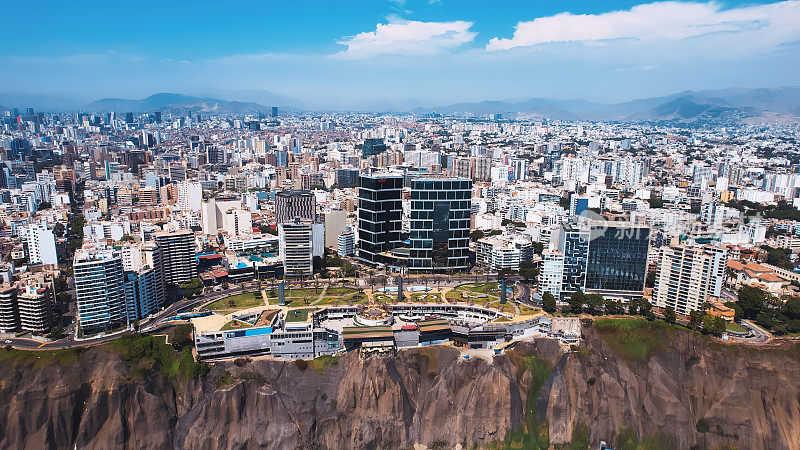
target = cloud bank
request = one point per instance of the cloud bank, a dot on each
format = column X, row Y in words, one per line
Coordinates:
column 408, row 38
column 761, row 26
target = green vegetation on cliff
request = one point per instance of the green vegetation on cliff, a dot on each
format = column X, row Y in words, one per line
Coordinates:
column 533, row 434
column 635, row 338
column 175, row 361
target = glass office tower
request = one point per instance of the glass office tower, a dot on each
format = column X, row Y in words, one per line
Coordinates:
column 380, row 215
column 440, row 223
column 617, row 263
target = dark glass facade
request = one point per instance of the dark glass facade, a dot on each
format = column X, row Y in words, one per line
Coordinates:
column 372, row 147
column 380, row 215
column 617, row 259
column 575, row 246
column 440, row 223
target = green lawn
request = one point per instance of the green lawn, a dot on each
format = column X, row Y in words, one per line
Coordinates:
column 351, row 299
column 235, row 325
column 424, row 297
column 236, row 302
column 736, row 328
column 299, row 315
column 635, row 338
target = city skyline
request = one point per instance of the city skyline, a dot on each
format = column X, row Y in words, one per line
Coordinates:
column 424, row 53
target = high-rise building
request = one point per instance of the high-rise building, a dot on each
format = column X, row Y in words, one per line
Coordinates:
column 9, row 310
column 347, row 178
column 178, row 260
column 99, row 290
column 190, row 195
column 372, row 147
column 688, row 275
column 296, row 241
column 380, row 215
column 238, row 222
column 274, row 112
column 41, row 245
column 440, row 224
column 291, row 204
column 617, row 262
column 35, row 308
column 346, row 242
column 596, row 257
column 142, row 294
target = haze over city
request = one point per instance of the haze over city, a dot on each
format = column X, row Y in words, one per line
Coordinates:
column 376, row 55
column 400, row 224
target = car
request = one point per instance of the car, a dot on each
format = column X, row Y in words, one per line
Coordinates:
column 8, row 341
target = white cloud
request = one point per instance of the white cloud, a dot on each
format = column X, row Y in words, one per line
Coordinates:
column 759, row 26
column 408, row 38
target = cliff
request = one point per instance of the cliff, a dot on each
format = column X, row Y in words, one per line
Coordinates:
column 145, row 394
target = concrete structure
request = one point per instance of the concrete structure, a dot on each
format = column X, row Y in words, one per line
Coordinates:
column 297, row 247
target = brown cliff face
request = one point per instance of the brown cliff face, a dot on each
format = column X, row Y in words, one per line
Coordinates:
column 748, row 398
column 424, row 396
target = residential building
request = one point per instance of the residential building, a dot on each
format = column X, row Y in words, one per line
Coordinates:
column 178, row 258
column 688, row 275
column 99, row 290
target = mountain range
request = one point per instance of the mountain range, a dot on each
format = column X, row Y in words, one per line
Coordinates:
column 713, row 105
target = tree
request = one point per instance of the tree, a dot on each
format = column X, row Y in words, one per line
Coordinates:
column 192, row 288
column 528, row 271
column 695, row 318
column 751, row 300
column 576, row 301
column 633, row 307
column 548, row 302
column 614, row 307
column 792, row 308
column 650, row 281
column 595, row 302
column 59, row 229
column 646, row 309
column 713, row 325
column 45, row 205
column 669, row 315
column 55, row 333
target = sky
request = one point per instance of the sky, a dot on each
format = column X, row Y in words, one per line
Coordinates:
column 344, row 54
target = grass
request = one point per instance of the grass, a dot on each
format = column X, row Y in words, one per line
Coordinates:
column 637, row 338
column 319, row 363
column 470, row 291
column 424, row 297
column 41, row 358
column 533, row 434
column 235, row 325
column 736, row 328
column 344, row 300
column 299, row 315
column 236, row 302
column 145, row 352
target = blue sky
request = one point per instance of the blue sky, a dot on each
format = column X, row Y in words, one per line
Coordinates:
column 344, row 54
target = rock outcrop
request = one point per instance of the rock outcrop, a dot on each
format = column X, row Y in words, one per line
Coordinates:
column 429, row 396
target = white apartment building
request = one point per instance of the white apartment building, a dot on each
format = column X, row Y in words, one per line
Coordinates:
column 688, row 275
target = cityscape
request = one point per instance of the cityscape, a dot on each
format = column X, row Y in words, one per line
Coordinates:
column 379, row 258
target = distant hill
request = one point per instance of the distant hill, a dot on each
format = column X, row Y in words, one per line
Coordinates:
column 173, row 102
column 725, row 104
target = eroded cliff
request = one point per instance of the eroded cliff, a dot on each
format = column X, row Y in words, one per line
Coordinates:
column 106, row 397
